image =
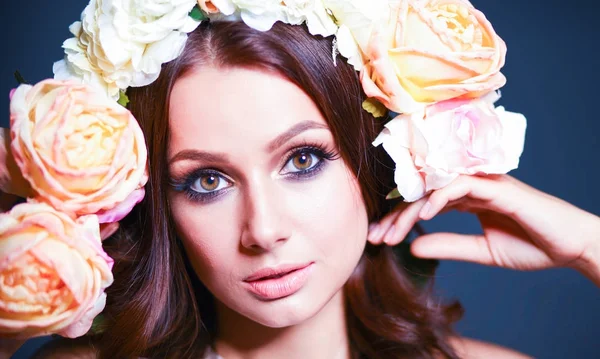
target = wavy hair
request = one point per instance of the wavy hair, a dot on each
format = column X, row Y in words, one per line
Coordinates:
column 158, row 308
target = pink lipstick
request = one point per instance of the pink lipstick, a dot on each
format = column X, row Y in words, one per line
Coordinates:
column 278, row 282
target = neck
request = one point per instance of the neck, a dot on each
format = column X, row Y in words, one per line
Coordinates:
column 322, row 336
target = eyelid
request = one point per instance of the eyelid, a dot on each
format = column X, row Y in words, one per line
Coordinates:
column 322, row 151
column 186, row 180
column 309, row 152
column 199, row 175
column 289, row 154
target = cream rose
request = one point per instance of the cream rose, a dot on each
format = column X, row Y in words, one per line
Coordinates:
column 263, row 14
column 429, row 51
column 454, row 137
column 123, row 43
column 53, row 272
column 80, row 151
column 356, row 20
column 313, row 12
column 258, row 14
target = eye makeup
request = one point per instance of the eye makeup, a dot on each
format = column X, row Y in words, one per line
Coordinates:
column 300, row 163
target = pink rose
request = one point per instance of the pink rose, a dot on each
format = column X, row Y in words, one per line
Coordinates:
column 433, row 147
column 79, row 150
column 53, row 272
column 430, row 51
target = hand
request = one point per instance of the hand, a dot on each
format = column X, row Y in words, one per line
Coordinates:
column 523, row 228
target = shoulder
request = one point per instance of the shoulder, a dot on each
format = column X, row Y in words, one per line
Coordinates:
column 470, row 349
column 80, row 348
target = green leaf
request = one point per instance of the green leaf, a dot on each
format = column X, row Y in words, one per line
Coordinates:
column 123, row 99
column 394, row 194
column 19, row 78
column 374, row 107
column 197, row 14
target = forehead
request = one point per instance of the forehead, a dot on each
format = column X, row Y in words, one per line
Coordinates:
column 223, row 109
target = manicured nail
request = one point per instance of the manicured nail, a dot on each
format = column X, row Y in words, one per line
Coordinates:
column 425, row 210
column 390, row 234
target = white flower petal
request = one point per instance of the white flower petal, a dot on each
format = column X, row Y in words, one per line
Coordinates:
column 348, row 48
column 433, row 147
column 226, row 7
column 261, row 22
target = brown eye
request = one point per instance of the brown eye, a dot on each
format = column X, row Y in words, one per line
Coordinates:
column 302, row 161
column 209, row 182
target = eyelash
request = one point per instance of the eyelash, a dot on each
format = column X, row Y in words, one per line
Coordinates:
column 318, row 150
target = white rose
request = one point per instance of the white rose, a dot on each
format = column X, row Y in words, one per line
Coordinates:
column 347, row 46
column 357, row 19
column 123, row 43
column 263, row 14
column 433, row 147
column 76, row 66
column 260, row 14
column 313, row 12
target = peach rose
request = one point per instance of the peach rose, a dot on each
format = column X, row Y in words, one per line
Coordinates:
column 430, row 51
column 453, row 137
column 80, row 151
column 53, row 272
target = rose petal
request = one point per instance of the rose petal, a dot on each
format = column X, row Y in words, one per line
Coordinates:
column 122, row 209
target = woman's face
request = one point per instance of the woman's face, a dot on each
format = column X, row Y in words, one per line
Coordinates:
column 270, row 216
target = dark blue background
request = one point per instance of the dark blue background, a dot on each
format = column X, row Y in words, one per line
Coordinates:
column 553, row 75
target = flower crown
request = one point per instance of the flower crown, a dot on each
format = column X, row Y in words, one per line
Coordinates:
column 79, row 157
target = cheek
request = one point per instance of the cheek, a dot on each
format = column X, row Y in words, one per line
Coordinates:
column 207, row 237
column 337, row 218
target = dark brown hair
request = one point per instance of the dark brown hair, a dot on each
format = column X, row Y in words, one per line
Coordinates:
column 157, row 307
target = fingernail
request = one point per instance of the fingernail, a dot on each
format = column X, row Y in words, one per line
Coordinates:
column 374, row 229
column 425, row 210
column 390, row 234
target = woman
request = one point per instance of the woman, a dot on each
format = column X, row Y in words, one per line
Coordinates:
column 262, row 186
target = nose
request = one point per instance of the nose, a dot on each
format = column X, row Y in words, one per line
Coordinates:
column 265, row 227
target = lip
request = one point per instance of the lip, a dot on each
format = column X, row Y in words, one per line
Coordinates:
column 278, row 282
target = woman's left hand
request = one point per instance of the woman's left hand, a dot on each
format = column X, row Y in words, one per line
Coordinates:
column 523, row 228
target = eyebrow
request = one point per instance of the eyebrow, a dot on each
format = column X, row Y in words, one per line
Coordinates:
column 293, row 132
column 195, row 155
column 280, row 140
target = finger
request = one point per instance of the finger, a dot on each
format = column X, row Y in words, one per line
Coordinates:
column 494, row 192
column 507, row 251
column 453, row 246
column 404, row 223
column 400, row 224
column 387, row 225
column 378, row 229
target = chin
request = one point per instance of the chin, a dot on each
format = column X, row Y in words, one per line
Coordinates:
column 288, row 311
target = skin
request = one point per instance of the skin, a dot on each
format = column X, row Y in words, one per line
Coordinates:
column 263, row 216
column 523, row 228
